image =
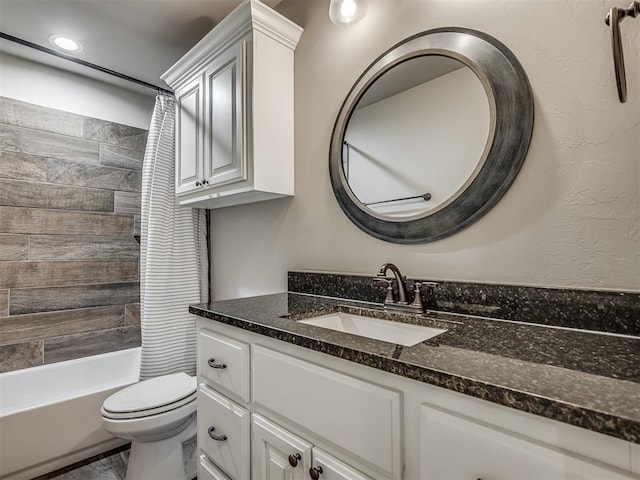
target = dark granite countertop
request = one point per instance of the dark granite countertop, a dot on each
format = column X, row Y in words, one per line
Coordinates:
column 587, row 379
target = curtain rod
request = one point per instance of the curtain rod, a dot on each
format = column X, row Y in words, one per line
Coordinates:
column 84, row 63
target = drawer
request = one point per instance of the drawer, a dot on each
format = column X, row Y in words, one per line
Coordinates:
column 334, row 469
column 454, row 447
column 224, row 364
column 208, row 471
column 358, row 416
column 230, row 423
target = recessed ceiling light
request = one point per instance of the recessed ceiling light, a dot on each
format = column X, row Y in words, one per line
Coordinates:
column 65, row 43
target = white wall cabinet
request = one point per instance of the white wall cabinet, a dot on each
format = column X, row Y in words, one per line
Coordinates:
column 234, row 111
column 356, row 422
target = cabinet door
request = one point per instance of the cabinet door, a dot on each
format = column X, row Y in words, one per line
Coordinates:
column 330, row 468
column 456, row 447
column 189, row 136
column 357, row 416
column 271, row 448
column 225, row 157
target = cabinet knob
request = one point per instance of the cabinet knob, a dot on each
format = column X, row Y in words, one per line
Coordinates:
column 197, row 183
column 315, row 472
column 205, row 181
column 219, row 438
column 294, row 459
column 212, row 363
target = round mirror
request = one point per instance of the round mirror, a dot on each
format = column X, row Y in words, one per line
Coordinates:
column 431, row 135
column 416, row 137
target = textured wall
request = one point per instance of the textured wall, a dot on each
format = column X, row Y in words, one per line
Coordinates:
column 69, row 207
column 572, row 216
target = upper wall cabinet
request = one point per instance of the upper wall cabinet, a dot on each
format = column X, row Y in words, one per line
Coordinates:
column 234, row 118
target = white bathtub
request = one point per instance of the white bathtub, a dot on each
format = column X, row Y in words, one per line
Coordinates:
column 50, row 415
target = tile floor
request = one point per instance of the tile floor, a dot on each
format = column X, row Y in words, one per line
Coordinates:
column 111, row 465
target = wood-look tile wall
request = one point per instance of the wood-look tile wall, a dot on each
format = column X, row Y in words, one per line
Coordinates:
column 69, row 217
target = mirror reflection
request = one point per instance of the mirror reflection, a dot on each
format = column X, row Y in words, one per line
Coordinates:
column 417, row 137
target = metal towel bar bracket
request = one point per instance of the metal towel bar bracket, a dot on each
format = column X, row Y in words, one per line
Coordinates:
column 613, row 19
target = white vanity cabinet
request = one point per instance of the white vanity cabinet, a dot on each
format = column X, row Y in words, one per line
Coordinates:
column 488, row 452
column 234, row 110
column 248, row 429
column 307, row 409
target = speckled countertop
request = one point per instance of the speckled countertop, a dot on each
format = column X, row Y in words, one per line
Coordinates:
column 587, row 379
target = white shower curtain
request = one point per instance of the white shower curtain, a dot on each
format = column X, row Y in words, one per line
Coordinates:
column 172, row 259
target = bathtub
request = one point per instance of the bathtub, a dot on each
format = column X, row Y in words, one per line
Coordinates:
column 50, row 415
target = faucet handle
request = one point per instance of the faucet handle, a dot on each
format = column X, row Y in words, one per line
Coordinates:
column 430, row 295
column 389, row 282
column 417, row 297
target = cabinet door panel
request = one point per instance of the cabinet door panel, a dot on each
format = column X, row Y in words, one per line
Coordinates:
column 189, row 146
column 231, row 454
column 225, row 156
column 334, row 469
column 455, row 447
column 358, row 416
column 271, row 447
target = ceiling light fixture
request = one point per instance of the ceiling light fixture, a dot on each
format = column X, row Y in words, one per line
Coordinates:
column 64, row 43
column 347, row 12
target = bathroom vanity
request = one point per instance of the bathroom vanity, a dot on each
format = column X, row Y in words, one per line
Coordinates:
column 283, row 399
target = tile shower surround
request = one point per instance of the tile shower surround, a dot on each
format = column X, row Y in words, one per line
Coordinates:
column 69, row 209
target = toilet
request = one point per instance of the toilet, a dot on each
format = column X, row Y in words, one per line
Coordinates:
column 158, row 416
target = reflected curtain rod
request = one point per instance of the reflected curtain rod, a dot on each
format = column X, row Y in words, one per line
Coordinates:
column 84, row 63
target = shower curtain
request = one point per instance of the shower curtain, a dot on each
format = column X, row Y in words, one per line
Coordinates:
column 173, row 258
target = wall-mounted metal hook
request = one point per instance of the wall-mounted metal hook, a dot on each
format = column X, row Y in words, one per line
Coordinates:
column 613, row 19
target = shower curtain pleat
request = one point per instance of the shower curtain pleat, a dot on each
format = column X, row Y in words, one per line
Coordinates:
column 172, row 258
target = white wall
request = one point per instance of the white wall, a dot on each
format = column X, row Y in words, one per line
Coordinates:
column 572, row 216
column 45, row 85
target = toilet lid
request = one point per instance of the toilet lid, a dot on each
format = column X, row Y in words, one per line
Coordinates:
column 152, row 394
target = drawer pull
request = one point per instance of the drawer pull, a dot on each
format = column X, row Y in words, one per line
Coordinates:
column 219, row 438
column 315, row 472
column 212, row 363
column 294, row 459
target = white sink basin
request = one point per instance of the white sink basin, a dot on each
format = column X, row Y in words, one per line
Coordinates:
column 394, row 332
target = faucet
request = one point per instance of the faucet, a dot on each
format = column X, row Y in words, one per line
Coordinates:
column 400, row 279
column 401, row 303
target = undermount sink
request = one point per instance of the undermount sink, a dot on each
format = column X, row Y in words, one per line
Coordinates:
column 386, row 330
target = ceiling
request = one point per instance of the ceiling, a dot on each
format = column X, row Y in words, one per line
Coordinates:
column 139, row 38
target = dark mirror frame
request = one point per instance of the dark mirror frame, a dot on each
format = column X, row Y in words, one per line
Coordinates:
column 512, row 116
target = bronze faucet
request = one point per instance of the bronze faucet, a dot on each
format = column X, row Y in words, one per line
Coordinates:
column 401, row 303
